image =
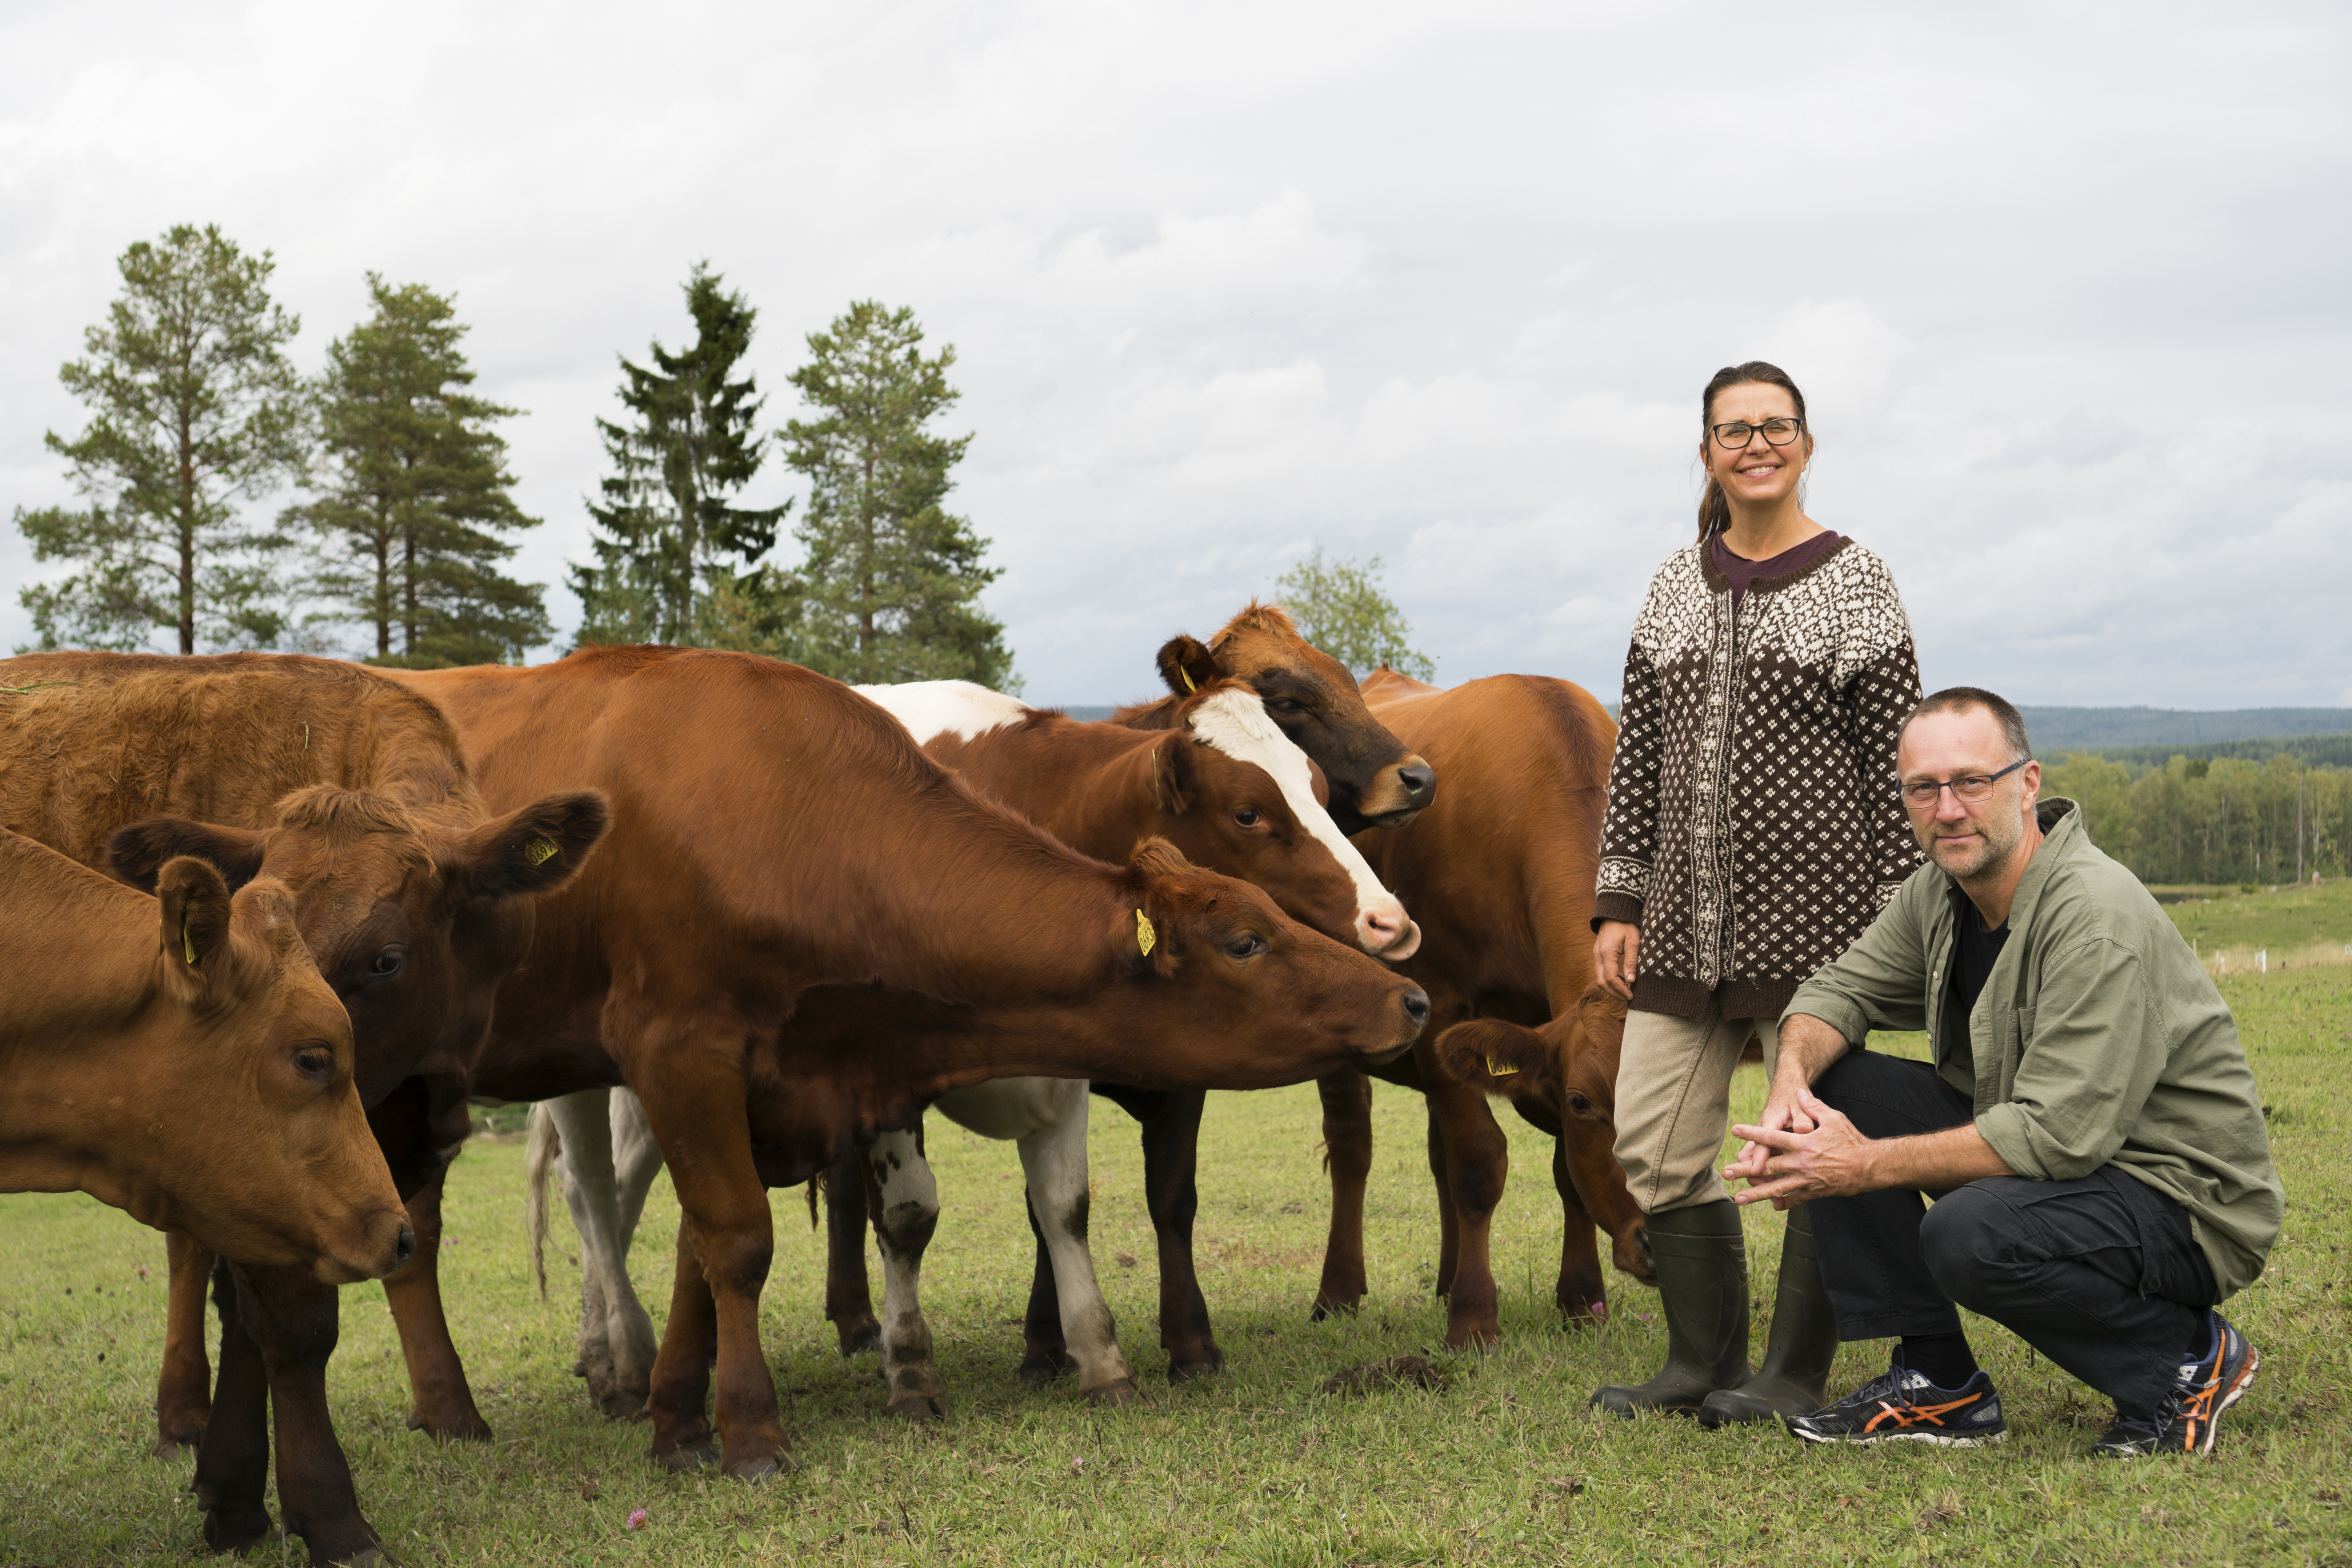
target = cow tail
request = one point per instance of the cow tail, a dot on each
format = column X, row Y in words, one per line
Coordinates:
column 545, row 1142
column 815, row 1183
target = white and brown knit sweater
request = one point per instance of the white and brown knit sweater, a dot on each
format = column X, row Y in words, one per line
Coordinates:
column 1756, row 821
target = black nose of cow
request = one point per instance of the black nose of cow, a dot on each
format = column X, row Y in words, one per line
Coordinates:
column 1416, row 1006
column 405, row 1247
column 1417, row 779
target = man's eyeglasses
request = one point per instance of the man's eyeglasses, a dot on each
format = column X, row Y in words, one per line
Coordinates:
column 1969, row 789
column 1737, row 434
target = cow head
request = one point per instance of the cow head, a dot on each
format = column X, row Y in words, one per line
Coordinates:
column 413, row 918
column 1375, row 780
column 1240, row 996
column 1566, row 1074
column 1235, row 796
column 249, row 1119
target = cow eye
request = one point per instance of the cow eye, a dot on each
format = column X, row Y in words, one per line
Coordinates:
column 1578, row 1104
column 1247, row 816
column 1284, row 705
column 386, row 964
column 1248, row 944
column 316, row 1063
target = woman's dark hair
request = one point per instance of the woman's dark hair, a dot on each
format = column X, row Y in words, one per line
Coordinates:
column 1715, row 508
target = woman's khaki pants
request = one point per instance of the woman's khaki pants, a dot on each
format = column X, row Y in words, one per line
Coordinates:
column 1674, row 1102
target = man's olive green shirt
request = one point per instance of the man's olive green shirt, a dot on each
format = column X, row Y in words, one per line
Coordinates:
column 2098, row 1037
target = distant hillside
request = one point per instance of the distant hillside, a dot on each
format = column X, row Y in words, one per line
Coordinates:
column 1087, row 714
column 2316, row 751
column 2057, row 730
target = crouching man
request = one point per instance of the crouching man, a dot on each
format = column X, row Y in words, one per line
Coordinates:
column 2088, row 1129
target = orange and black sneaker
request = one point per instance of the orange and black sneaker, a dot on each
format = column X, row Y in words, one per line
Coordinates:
column 1902, row 1405
column 2191, row 1417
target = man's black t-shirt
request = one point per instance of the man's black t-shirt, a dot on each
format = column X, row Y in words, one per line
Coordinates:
column 1972, row 959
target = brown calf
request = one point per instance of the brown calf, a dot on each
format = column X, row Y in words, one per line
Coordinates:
column 415, row 902
column 196, row 1074
column 1500, row 873
column 776, row 833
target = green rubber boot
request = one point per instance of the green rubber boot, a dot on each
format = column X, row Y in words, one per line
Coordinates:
column 1702, row 1264
column 1794, row 1378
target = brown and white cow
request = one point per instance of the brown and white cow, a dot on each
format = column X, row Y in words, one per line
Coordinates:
column 178, row 1057
column 1500, row 873
column 788, row 868
column 1233, row 794
column 414, row 901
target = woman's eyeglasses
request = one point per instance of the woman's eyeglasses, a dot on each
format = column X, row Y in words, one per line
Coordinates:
column 1971, row 789
column 1731, row 437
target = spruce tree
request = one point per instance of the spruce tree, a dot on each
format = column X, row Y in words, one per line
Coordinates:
column 891, row 588
column 416, row 493
column 666, row 533
column 194, row 407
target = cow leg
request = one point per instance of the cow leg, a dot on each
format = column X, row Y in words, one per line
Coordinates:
column 1348, row 1155
column 293, row 1318
column 1054, row 1158
column 1171, row 1155
column 440, row 1401
column 182, row 1392
column 1469, row 1158
column 615, row 1339
column 1047, row 1354
column 233, row 1456
column 849, row 1294
column 629, row 1329
column 695, row 1104
column 1583, row 1294
column 904, row 1200
column 682, row 1434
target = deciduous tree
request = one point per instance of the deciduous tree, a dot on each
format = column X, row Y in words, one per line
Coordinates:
column 416, row 492
column 194, row 408
column 1341, row 608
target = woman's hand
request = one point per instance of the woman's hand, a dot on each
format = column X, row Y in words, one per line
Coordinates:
column 1617, row 954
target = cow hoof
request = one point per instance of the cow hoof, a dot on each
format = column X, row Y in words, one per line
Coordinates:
column 243, row 1534
column 1473, row 1337
column 1041, row 1368
column 918, row 1408
column 175, row 1448
column 688, row 1457
column 1193, row 1371
column 1325, row 1309
column 476, row 1430
column 1118, row 1392
column 369, row 1557
column 861, row 1339
column 765, row 1468
column 622, row 1404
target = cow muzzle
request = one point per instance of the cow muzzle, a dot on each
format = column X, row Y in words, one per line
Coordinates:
column 1388, row 933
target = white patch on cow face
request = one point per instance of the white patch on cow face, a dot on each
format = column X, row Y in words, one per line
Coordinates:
column 930, row 709
column 1235, row 723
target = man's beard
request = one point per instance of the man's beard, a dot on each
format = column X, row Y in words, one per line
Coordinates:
column 1998, row 838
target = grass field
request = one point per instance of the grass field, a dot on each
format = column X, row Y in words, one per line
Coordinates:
column 1502, row 1465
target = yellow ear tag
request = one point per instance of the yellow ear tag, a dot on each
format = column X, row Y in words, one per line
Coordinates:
column 539, row 851
column 187, row 939
column 1145, row 937
column 1188, row 678
column 1494, row 1072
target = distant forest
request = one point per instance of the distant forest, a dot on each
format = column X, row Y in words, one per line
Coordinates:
column 2057, row 730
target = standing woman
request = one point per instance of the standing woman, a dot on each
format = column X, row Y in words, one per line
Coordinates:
column 1755, row 827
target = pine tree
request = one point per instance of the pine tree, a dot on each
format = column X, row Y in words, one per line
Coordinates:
column 415, row 493
column 1341, row 608
column 194, row 407
column 891, row 588
column 667, row 530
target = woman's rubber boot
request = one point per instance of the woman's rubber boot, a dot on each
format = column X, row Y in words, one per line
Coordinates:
column 1702, row 1262
column 1794, row 1378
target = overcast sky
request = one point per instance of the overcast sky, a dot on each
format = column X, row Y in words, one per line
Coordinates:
column 2066, row 287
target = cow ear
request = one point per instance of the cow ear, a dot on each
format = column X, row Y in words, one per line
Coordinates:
column 194, row 897
column 1175, row 776
column 534, row 849
column 137, row 853
column 1187, row 665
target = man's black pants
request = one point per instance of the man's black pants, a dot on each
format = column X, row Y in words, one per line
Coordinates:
column 2100, row 1273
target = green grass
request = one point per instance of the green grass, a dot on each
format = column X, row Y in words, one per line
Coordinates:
column 1501, row 1466
column 2281, row 918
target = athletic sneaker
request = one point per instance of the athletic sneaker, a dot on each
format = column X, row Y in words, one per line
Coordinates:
column 1902, row 1405
column 2191, row 1417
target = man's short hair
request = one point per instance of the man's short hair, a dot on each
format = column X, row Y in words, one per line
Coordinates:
column 1958, row 699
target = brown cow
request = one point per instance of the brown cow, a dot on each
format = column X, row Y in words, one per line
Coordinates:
column 179, row 1057
column 777, row 834
column 415, row 902
column 1500, row 872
